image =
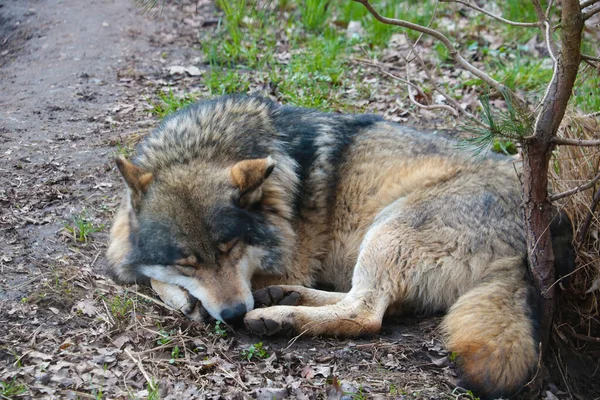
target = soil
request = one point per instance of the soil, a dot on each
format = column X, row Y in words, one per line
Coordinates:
column 74, row 79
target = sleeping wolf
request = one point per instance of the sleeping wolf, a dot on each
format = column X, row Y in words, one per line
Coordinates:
column 239, row 194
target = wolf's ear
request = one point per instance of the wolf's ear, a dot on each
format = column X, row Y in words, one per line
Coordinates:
column 248, row 175
column 136, row 178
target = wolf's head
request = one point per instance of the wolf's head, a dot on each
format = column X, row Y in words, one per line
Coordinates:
column 201, row 226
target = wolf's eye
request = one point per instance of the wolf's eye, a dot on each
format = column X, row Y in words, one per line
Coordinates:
column 227, row 246
column 188, row 261
column 186, row 270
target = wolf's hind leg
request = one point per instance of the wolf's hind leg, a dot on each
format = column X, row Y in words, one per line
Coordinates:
column 179, row 299
column 293, row 295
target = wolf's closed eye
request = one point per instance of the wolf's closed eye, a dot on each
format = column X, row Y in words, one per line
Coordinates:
column 186, row 270
column 227, row 246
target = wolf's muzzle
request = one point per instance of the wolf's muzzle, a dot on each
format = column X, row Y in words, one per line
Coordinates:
column 235, row 314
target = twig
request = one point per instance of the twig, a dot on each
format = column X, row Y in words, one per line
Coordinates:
column 496, row 17
column 423, row 106
column 589, row 13
column 585, row 337
column 142, row 370
column 578, row 189
column 543, row 18
column 575, row 142
column 448, row 98
column 234, row 378
column 160, row 303
column 447, row 43
column 549, row 8
column 539, row 365
column 547, row 36
column 590, row 58
column 588, row 219
column 588, row 3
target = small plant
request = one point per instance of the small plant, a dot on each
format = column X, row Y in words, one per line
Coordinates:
column 124, row 150
column 120, row 306
column 153, row 390
column 11, row 389
column 226, row 82
column 175, row 354
column 165, row 337
column 168, row 103
column 255, row 350
column 453, row 357
column 359, row 395
column 82, row 228
column 220, row 331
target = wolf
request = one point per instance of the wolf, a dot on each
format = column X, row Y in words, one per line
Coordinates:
column 239, row 194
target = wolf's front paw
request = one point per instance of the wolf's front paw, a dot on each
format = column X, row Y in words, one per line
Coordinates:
column 194, row 311
column 275, row 296
column 181, row 300
column 267, row 324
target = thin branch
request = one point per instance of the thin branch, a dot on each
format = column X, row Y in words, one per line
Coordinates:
column 549, row 8
column 423, row 106
column 575, row 142
column 547, row 36
column 495, row 16
column 588, row 3
column 456, row 108
column 543, row 17
column 588, row 219
column 577, row 189
column 140, row 366
column 447, row 43
column 590, row 58
column 591, row 12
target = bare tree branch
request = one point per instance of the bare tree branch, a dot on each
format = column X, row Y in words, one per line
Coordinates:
column 543, row 17
column 588, row 219
column 575, row 142
column 495, row 16
column 588, row 3
column 590, row 58
column 460, row 60
column 591, row 12
column 577, row 189
column 549, row 8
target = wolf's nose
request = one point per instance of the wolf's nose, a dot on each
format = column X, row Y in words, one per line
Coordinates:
column 234, row 314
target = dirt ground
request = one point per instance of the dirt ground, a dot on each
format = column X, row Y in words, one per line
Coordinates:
column 74, row 79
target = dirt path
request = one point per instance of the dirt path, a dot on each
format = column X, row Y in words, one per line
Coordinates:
column 74, row 78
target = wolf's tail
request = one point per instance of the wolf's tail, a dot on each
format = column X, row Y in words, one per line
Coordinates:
column 493, row 331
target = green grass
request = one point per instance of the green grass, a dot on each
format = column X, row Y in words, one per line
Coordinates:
column 82, row 228
column 12, row 388
column 226, row 81
column 586, row 95
column 300, row 52
column 315, row 14
column 153, row 390
column 121, row 306
column 168, row 103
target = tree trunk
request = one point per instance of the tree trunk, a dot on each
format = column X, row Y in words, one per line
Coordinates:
column 537, row 150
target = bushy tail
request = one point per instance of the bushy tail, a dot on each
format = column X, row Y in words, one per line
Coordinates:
column 492, row 329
